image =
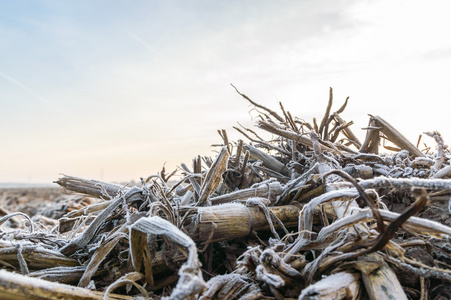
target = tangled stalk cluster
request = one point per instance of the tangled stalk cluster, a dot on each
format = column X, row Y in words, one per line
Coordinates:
column 313, row 213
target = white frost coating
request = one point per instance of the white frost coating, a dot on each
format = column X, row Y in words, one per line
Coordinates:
column 224, row 206
column 446, row 171
column 157, row 225
column 416, row 222
column 216, row 209
column 187, row 198
column 364, row 214
column 329, row 285
column 407, row 183
column 268, row 277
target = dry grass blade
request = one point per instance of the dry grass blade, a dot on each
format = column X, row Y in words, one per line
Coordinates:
column 141, row 255
column 104, row 249
column 214, row 176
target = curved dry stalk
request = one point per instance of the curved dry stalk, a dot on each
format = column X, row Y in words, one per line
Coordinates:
column 273, row 113
column 323, row 128
column 129, row 278
column 10, row 215
column 440, row 155
column 374, row 209
column 190, row 283
column 306, row 217
column 385, row 236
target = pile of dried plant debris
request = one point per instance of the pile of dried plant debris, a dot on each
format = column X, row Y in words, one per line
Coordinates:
column 312, row 213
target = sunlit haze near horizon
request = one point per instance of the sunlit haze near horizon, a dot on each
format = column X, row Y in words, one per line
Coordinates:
column 112, row 90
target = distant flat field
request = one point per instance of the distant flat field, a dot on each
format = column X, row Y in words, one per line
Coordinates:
column 13, row 185
column 27, row 198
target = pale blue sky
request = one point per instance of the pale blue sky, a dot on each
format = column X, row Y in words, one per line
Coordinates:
column 113, row 89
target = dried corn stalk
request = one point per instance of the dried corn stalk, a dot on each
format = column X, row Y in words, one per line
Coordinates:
column 306, row 215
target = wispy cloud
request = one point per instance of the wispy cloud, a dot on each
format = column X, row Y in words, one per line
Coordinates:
column 145, row 44
column 29, row 90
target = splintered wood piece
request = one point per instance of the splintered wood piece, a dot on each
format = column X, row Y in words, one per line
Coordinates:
column 382, row 283
column 372, row 138
column 141, row 255
column 214, row 176
column 85, row 211
column 104, row 249
column 94, row 188
column 406, row 184
column 298, row 138
column 341, row 285
column 228, row 286
column 268, row 160
column 37, row 257
column 396, row 137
